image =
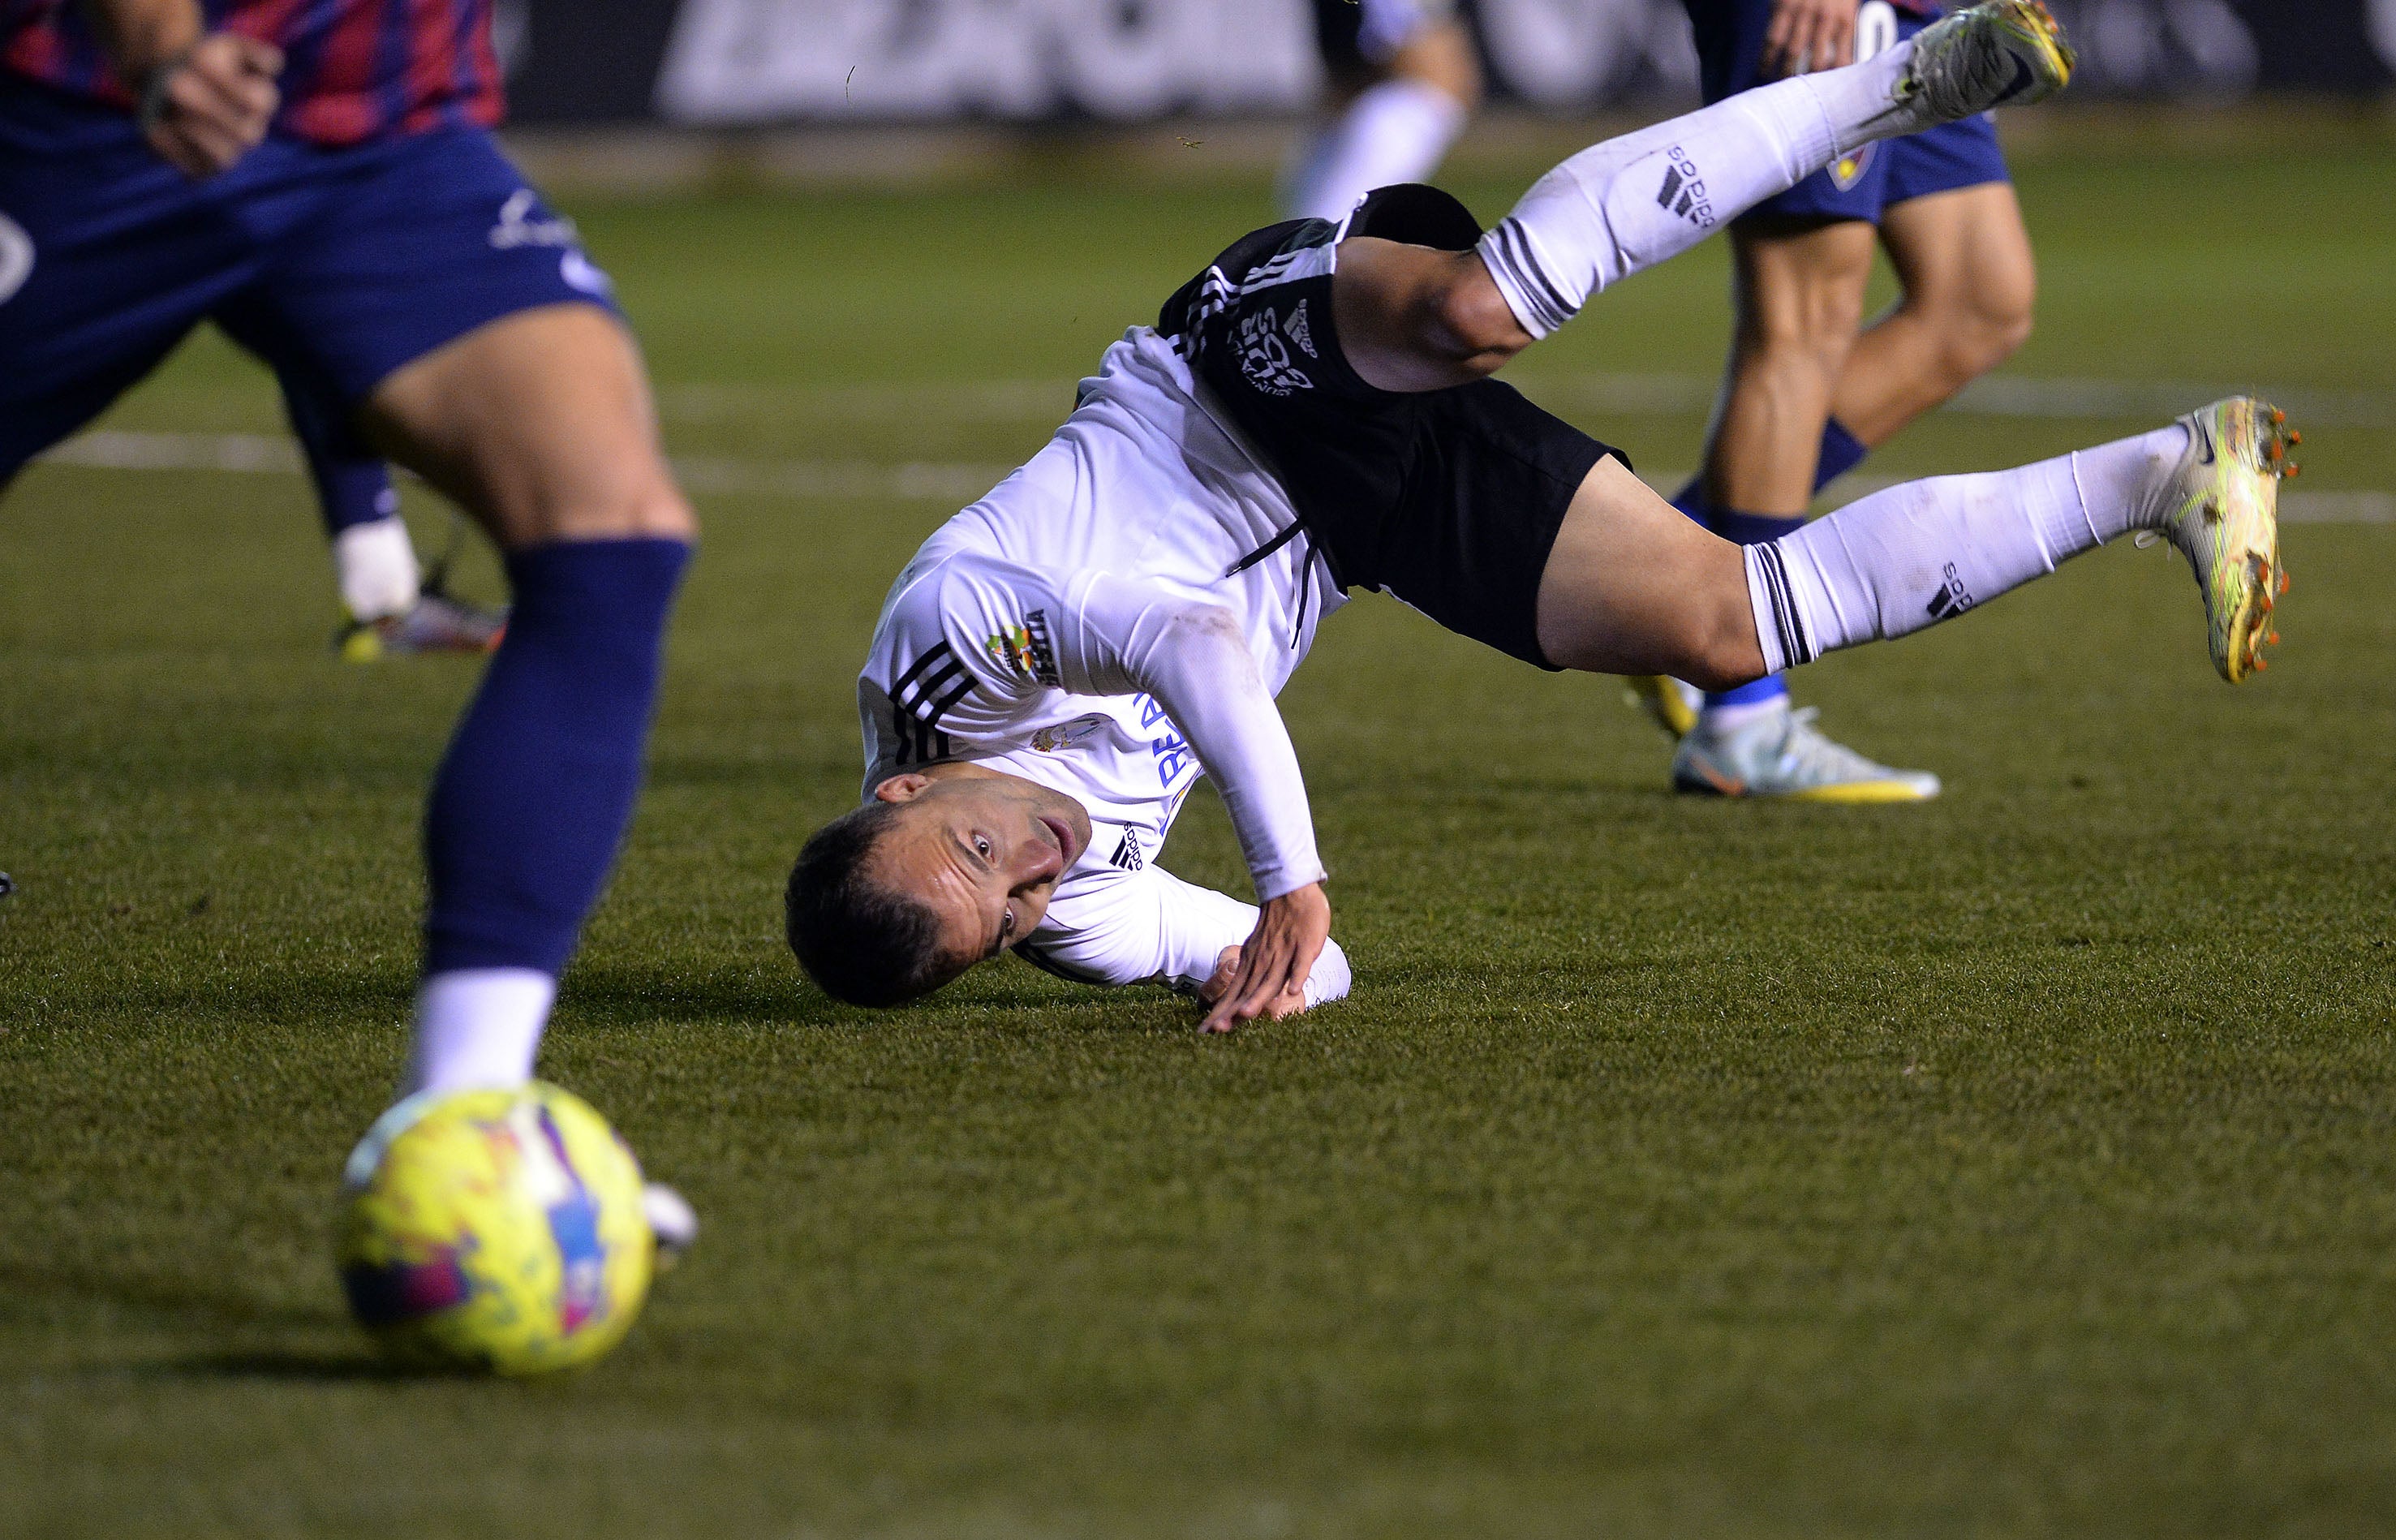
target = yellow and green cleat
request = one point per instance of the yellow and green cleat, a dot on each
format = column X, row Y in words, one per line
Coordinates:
column 2222, row 509
column 2005, row 53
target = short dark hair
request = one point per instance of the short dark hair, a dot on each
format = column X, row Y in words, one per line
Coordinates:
column 863, row 942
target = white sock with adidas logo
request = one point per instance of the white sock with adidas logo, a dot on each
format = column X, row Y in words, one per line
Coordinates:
column 1913, row 556
column 1633, row 202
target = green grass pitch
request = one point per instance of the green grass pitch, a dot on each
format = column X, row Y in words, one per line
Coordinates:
column 2025, row 1164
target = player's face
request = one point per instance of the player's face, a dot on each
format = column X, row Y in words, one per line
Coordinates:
column 984, row 851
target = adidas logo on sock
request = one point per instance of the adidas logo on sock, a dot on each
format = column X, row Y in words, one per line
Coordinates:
column 1684, row 191
column 1952, row 597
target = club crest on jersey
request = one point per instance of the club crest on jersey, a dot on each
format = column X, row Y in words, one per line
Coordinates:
column 1264, row 354
column 1847, row 171
column 1025, row 650
column 1064, row 735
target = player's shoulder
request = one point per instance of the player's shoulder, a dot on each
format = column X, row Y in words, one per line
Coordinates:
column 973, row 614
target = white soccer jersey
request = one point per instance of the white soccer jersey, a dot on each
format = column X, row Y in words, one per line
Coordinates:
column 1090, row 627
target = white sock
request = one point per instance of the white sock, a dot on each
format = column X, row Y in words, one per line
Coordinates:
column 478, row 1027
column 1630, row 203
column 1730, row 719
column 376, row 564
column 1926, row 551
column 1398, row 131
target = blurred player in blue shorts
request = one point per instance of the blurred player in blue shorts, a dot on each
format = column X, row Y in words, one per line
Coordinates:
column 1407, row 79
column 1809, row 390
column 320, row 181
column 391, row 604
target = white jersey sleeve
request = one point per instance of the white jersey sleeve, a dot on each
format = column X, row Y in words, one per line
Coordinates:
column 1148, row 926
column 978, row 641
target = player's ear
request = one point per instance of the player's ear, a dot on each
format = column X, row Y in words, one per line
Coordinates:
column 902, row 789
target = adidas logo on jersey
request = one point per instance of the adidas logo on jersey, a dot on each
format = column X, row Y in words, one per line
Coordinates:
column 1264, row 356
column 1684, row 191
column 1128, row 855
column 1298, row 331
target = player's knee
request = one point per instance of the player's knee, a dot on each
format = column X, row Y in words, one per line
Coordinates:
column 1468, row 320
column 640, row 506
column 1718, row 643
column 1996, row 333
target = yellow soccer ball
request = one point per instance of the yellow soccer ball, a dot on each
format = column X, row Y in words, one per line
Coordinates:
column 495, row 1231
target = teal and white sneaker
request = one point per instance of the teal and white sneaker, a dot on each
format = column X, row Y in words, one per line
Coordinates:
column 1781, row 754
column 2007, row 53
column 2221, row 507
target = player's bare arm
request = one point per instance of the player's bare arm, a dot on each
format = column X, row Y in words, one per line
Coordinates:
column 205, row 97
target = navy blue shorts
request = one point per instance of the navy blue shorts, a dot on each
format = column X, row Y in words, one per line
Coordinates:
column 334, row 266
column 1730, row 53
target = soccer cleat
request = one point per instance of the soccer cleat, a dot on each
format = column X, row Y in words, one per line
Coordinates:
column 1781, row 754
column 2007, row 53
column 1668, row 703
column 2221, row 507
column 435, row 623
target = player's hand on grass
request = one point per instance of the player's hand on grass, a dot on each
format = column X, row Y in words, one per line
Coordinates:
column 1809, row 34
column 1267, row 976
column 207, row 107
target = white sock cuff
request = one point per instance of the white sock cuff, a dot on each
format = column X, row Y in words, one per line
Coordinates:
column 375, row 563
column 1505, row 250
column 1779, row 623
column 478, row 1027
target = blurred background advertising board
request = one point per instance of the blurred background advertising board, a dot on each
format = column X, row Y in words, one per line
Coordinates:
column 732, row 62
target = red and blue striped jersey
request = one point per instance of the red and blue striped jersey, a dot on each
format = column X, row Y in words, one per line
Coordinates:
column 353, row 70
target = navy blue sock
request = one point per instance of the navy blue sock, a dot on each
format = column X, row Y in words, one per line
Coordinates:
column 538, row 785
column 1841, row 452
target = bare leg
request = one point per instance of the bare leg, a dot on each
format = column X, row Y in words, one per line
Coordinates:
column 539, row 425
column 1970, row 282
column 1632, row 587
column 1392, row 125
column 1799, row 295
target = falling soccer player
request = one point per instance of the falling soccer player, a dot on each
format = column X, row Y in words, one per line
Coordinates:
column 1312, row 413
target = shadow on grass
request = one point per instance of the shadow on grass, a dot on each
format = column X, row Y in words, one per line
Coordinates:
column 213, row 1304
column 298, row 1366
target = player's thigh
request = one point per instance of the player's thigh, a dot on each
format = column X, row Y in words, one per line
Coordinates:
column 1799, row 283
column 456, row 315
column 1634, row 586
column 1965, row 254
column 541, row 424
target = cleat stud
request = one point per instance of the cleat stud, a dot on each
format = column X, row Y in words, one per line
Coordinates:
column 2278, row 416
column 2293, row 470
column 2295, row 436
column 2273, row 639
